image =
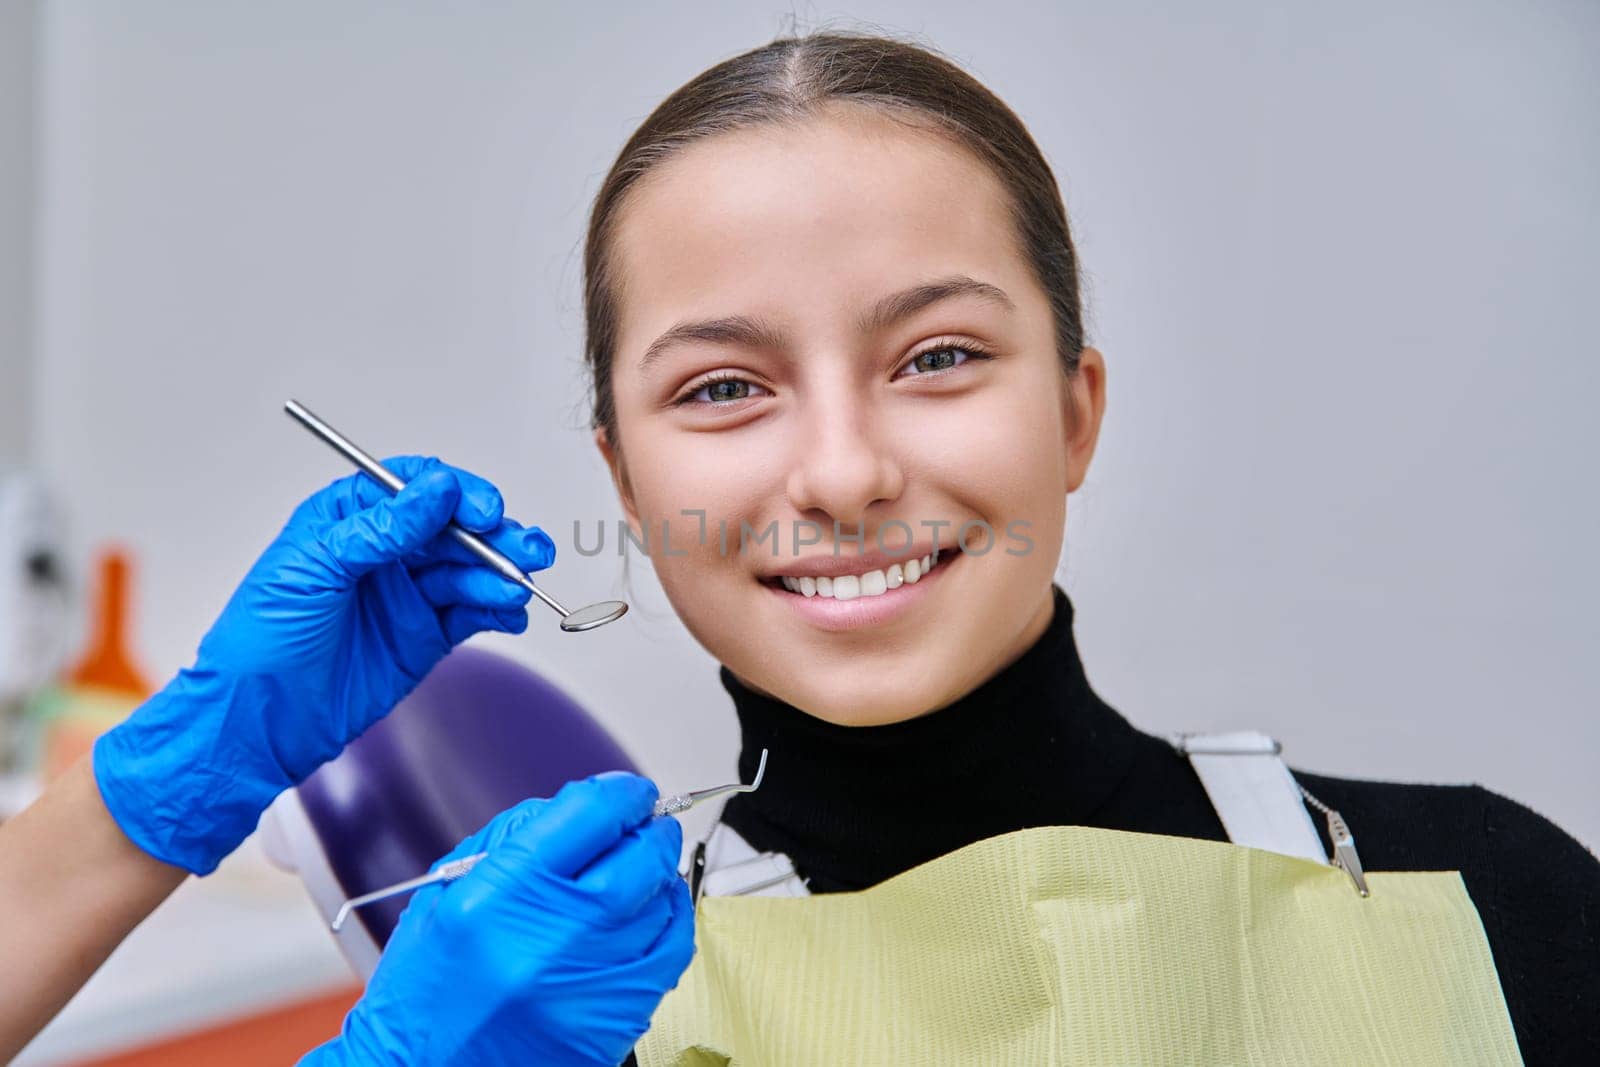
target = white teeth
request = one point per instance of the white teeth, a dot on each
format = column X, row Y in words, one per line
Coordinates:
column 852, row 586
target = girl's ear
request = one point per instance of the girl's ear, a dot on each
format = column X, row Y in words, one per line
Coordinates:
column 1084, row 404
column 619, row 476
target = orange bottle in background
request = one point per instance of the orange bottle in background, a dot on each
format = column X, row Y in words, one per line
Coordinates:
column 105, row 685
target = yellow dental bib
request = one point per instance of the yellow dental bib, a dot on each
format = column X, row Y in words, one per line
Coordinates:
column 1078, row 945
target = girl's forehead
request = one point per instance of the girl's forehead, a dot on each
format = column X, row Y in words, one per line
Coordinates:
column 825, row 202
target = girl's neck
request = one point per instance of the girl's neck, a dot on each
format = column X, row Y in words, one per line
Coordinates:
column 1031, row 746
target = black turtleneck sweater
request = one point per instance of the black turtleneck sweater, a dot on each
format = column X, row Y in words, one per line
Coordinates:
column 1034, row 746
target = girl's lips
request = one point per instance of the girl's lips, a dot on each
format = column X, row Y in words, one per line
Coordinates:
column 826, row 613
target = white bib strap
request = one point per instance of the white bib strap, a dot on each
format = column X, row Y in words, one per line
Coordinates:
column 1256, row 797
column 729, row 866
column 1254, row 794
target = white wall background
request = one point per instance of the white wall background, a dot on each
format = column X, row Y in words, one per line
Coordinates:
column 18, row 50
column 1341, row 264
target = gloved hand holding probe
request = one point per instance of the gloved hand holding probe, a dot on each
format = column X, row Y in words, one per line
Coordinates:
column 553, row 950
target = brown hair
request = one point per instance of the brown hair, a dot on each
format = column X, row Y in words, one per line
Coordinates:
column 793, row 79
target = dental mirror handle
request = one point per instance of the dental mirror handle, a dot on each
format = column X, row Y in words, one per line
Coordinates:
column 389, row 480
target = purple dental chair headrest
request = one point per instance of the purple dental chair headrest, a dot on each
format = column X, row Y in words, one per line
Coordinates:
column 480, row 734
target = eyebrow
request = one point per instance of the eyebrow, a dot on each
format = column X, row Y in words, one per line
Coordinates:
column 757, row 333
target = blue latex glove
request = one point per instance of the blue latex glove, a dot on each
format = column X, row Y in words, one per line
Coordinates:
column 357, row 599
column 554, row 950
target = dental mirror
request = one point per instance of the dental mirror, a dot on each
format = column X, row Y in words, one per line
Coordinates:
column 571, row 621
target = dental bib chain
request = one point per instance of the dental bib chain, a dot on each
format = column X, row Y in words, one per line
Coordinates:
column 1344, row 842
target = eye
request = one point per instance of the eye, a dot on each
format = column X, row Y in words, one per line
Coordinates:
column 718, row 389
column 943, row 357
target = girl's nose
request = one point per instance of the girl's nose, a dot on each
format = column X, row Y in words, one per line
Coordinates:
column 844, row 462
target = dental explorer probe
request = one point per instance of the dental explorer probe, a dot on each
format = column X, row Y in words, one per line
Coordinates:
column 449, row 872
column 571, row 621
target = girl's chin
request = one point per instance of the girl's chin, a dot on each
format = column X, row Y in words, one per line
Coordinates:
column 853, row 694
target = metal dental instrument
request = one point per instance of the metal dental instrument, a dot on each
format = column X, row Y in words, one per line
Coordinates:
column 449, row 872
column 684, row 801
column 571, row 621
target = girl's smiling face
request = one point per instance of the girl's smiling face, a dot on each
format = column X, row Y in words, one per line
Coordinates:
column 828, row 338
